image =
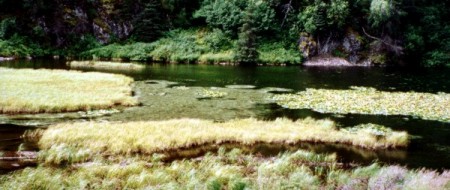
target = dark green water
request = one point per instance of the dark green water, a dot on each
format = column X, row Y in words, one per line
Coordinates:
column 430, row 145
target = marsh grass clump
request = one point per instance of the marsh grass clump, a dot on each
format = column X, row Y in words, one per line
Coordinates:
column 150, row 137
column 63, row 154
column 225, row 170
column 51, row 91
column 105, row 65
column 361, row 100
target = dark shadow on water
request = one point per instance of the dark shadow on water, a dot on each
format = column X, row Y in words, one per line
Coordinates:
column 429, row 144
column 344, row 153
column 10, row 143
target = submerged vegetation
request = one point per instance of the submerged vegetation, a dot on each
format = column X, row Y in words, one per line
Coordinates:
column 225, row 170
column 361, row 100
column 85, row 140
column 37, row 91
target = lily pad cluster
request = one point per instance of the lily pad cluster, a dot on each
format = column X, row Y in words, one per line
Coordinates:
column 212, row 94
column 362, row 100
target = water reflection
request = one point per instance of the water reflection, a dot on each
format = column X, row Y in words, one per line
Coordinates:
column 10, row 144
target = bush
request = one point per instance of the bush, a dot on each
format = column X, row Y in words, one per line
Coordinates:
column 276, row 53
column 133, row 52
column 15, row 47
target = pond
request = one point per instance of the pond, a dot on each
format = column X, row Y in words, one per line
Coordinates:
column 172, row 91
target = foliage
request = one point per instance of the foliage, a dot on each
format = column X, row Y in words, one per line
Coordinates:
column 381, row 11
column 149, row 23
column 320, row 15
column 51, row 27
column 225, row 14
column 7, row 28
column 229, row 15
column 277, row 53
column 246, row 52
column 134, row 52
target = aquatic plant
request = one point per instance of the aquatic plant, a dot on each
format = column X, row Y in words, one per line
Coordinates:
column 104, row 138
column 225, row 170
column 37, row 91
column 361, row 100
column 212, row 94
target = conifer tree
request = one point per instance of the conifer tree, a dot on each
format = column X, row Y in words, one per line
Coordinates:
column 246, row 50
column 149, row 24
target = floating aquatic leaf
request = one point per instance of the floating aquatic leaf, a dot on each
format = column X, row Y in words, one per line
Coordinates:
column 362, row 100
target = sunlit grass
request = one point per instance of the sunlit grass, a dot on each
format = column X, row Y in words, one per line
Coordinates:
column 105, row 65
column 148, row 137
column 37, row 91
column 225, row 170
column 360, row 100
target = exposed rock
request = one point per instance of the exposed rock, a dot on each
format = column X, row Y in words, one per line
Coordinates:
column 352, row 45
column 307, row 45
column 329, row 61
column 6, row 58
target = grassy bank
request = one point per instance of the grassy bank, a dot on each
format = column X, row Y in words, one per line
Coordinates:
column 225, row 170
column 361, row 100
column 75, row 142
column 193, row 46
column 36, row 91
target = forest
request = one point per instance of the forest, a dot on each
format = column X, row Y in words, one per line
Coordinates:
column 366, row 32
column 225, row 94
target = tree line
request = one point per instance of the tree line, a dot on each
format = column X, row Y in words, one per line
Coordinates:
column 387, row 31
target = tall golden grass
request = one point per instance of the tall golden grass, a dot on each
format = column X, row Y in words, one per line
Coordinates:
column 38, row 91
column 159, row 136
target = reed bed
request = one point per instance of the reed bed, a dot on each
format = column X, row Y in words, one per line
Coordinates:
column 361, row 100
column 105, row 65
column 80, row 141
column 226, row 170
column 50, row 91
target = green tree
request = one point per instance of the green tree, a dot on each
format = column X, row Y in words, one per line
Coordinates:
column 149, row 23
column 246, row 45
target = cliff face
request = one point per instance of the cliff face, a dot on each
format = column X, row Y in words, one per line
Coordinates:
column 62, row 20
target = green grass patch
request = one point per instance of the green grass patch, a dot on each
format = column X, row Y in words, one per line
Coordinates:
column 361, row 100
column 276, row 53
column 38, row 91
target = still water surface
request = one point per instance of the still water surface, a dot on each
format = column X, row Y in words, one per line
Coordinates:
column 430, row 143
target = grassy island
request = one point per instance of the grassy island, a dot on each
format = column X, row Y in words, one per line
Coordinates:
column 50, row 91
column 77, row 142
column 105, row 65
